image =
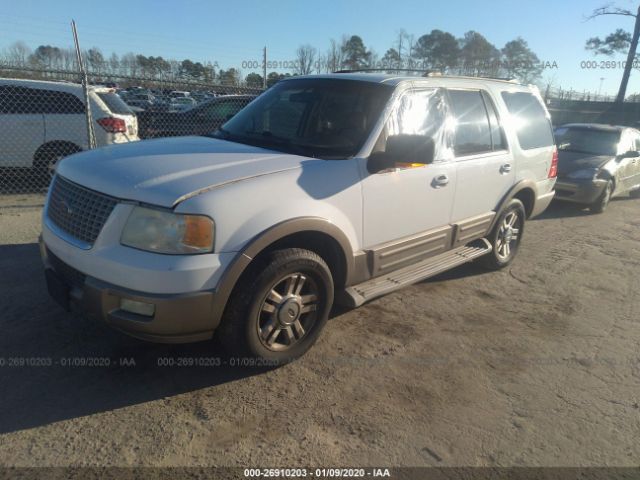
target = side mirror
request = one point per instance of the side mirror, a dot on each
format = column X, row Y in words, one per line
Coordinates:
column 379, row 161
column 403, row 149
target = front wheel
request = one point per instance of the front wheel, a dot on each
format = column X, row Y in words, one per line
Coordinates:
column 279, row 307
column 505, row 236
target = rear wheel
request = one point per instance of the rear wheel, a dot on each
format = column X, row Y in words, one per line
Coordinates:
column 505, row 236
column 601, row 204
column 279, row 307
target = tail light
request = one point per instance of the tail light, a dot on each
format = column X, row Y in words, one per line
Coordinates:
column 553, row 171
column 112, row 125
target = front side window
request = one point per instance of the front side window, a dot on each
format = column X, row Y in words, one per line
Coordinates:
column 419, row 113
column 323, row 118
column 472, row 127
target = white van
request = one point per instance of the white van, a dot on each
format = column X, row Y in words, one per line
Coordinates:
column 344, row 186
column 42, row 122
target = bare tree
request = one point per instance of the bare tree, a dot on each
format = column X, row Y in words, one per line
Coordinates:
column 18, row 53
column 305, row 57
column 335, row 55
column 617, row 42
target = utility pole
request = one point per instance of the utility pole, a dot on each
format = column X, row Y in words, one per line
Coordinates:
column 264, row 68
column 91, row 137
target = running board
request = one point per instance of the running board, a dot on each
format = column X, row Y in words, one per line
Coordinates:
column 356, row 295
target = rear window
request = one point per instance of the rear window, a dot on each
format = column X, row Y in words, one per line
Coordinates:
column 533, row 128
column 115, row 103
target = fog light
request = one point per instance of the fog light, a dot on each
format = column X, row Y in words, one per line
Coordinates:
column 140, row 308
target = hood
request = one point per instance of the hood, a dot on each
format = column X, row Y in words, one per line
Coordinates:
column 164, row 172
column 571, row 161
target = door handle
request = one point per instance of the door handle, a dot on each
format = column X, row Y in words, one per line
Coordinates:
column 506, row 168
column 440, row 181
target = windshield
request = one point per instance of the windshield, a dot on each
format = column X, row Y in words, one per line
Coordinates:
column 587, row 140
column 322, row 118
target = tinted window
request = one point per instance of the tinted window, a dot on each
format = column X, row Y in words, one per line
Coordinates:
column 472, row 130
column 533, row 128
column 51, row 101
column 420, row 112
column 115, row 103
column 22, row 100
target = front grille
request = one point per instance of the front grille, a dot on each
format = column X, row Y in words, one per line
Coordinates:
column 70, row 275
column 78, row 211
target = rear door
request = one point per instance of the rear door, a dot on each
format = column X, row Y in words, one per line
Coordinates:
column 21, row 125
column 64, row 118
column 484, row 163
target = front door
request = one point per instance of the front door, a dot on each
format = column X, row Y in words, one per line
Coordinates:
column 407, row 209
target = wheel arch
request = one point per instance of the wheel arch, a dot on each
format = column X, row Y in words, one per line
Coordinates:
column 55, row 146
column 525, row 191
column 312, row 233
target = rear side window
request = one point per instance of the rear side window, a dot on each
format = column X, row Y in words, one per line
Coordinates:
column 16, row 99
column 114, row 103
column 533, row 128
column 472, row 128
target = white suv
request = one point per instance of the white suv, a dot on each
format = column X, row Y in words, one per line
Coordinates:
column 344, row 186
column 41, row 122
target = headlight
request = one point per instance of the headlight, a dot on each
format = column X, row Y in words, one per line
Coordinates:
column 583, row 174
column 168, row 232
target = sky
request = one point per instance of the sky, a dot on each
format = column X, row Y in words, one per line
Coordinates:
column 233, row 32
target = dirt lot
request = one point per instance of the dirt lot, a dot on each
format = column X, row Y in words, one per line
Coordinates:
column 535, row 365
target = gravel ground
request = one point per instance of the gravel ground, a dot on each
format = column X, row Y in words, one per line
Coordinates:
column 535, row 365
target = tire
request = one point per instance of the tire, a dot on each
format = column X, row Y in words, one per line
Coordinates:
column 265, row 318
column 601, row 204
column 506, row 236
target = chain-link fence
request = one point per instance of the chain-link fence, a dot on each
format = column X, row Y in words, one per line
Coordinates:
column 43, row 117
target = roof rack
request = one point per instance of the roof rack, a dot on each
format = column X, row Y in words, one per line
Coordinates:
column 426, row 73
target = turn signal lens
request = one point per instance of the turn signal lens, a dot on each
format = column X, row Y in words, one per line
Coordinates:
column 198, row 232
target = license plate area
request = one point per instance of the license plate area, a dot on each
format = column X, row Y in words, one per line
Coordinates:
column 57, row 288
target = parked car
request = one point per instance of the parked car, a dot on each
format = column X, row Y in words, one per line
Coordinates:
column 202, row 119
column 140, row 100
column 343, row 186
column 596, row 163
column 180, row 104
column 42, row 122
column 179, row 94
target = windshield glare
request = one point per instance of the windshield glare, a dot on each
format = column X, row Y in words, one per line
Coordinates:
column 323, row 118
column 596, row 142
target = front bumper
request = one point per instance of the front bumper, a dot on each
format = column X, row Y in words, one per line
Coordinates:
column 580, row 191
column 177, row 318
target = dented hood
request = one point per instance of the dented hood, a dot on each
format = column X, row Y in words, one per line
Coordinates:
column 164, row 172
